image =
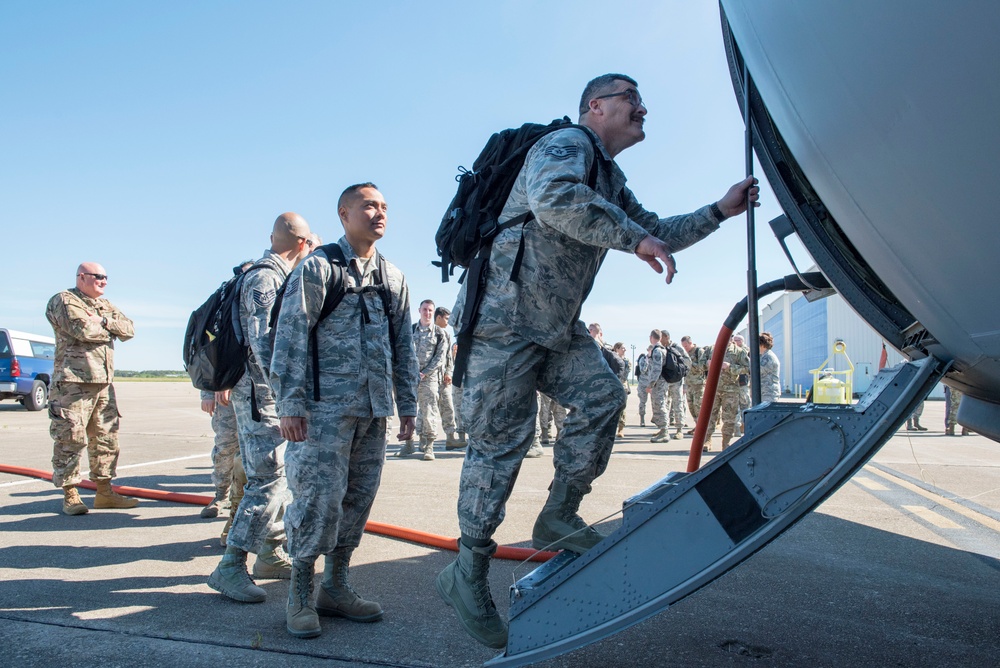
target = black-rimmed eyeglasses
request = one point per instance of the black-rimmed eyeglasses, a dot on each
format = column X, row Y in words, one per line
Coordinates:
column 631, row 95
column 97, row 277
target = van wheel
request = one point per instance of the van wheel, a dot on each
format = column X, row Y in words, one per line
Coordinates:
column 38, row 398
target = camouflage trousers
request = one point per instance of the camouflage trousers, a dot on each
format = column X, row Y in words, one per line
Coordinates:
column 694, row 390
column 675, row 409
column 954, row 400
column 548, row 412
column 456, row 397
column 657, row 399
column 225, row 450
column 333, row 477
column 427, row 407
column 499, row 412
column 642, row 389
column 727, row 407
column 83, row 416
column 446, row 407
column 621, row 417
column 265, row 495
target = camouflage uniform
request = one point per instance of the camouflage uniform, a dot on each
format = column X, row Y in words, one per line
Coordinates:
column 675, row 396
column 529, row 335
column 727, row 402
column 226, row 447
column 694, row 382
column 954, row 400
column 657, row 386
column 262, row 449
column 430, row 344
column 335, row 473
column 82, row 405
column 642, row 388
column 548, row 412
column 446, row 405
column 770, row 383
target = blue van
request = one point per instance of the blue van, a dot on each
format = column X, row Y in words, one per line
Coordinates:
column 26, row 367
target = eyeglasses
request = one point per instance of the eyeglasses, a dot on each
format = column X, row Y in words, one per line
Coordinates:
column 97, row 277
column 631, row 95
column 309, row 242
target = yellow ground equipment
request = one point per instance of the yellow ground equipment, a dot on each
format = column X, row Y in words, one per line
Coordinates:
column 827, row 387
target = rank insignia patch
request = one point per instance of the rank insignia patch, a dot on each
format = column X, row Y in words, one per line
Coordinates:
column 562, row 152
column 263, row 297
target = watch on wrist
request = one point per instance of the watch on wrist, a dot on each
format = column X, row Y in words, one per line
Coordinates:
column 716, row 211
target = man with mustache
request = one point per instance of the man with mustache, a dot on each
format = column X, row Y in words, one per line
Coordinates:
column 528, row 335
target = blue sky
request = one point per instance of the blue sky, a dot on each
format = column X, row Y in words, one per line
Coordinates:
column 162, row 139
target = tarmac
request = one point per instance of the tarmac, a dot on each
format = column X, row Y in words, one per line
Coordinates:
column 897, row 568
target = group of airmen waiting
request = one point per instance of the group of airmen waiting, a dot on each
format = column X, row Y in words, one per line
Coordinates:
column 312, row 412
column 667, row 398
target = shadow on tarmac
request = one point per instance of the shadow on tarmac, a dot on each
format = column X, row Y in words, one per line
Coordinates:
column 830, row 592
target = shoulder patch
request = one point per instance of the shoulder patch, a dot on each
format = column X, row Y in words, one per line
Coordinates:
column 562, row 152
column 263, row 296
column 293, row 284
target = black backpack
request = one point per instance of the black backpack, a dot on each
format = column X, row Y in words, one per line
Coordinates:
column 615, row 363
column 676, row 364
column 471, row 222
column 215, row 353
column 640, row 365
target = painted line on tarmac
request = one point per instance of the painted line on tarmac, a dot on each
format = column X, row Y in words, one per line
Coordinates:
column 120, row 468
column 928, row 515
column 897, row 478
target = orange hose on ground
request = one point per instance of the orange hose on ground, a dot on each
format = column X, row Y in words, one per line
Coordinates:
column 410, row 535
column 708, row 398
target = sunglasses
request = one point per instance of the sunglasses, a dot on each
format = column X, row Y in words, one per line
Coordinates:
column 97, row 277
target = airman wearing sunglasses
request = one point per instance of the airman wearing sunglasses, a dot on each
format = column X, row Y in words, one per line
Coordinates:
column 82, row 407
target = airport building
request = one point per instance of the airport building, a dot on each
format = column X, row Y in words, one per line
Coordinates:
column 804, row 334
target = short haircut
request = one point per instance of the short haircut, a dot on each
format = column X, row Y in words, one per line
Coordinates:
column 655, row 333
column 664, row 334
column 765, row 339
column 441, row 311
column 242, row 267
column 353, row 190
column 599, row 86
column 685, row 339
column 427, row 301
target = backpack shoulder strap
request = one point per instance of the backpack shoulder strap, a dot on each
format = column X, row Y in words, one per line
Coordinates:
column 335, row 288
column 334, row 295
column 385, row 293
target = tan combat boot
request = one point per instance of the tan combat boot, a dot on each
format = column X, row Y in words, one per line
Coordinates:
column 660, row 436
column 465, row 586
column 108, row 498
column 272, row 563
column 301, row 620
column 427, row 447
column 336, row 597
column 559, row 525
column 72, row 503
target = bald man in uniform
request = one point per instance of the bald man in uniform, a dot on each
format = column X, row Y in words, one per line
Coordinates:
column 258, row 525
column 82, row 403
